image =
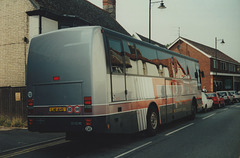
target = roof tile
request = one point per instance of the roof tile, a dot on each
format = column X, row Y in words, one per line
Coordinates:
column 83, row 9
column 211, row 51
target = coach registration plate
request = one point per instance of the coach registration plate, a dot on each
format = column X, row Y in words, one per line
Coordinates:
column 57, row 109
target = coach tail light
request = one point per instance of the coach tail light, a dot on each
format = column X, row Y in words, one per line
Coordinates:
column 30, row 102
column 30, row 121
column 87, row 104
column 88, row 123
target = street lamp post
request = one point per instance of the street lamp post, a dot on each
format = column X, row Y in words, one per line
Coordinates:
column 162, row 6
column 216, row 56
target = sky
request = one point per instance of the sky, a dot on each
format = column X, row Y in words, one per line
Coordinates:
column 199, row 20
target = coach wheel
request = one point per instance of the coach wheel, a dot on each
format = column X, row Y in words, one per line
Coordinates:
column 152, row 122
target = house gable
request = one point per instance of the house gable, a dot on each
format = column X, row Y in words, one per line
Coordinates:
column 190, row 44
column 206, row 50
column 81, row 11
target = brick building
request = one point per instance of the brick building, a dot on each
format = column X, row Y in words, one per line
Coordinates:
column 23, row 19
column 221, row 72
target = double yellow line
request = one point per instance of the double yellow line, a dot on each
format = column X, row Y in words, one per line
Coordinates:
column 24, row 151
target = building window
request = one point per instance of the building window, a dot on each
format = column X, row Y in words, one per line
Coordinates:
column 228, row 84
column 217, row 85
column 232, row 68
column 223, row 66
column 215, row 64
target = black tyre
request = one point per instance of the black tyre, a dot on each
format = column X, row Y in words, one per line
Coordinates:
column 152, row 121
column 193, row 110
column 223, row 105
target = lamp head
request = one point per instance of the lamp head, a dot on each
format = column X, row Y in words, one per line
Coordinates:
column 222, row 42
column 162, row 6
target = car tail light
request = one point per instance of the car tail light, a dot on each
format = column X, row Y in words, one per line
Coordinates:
column 87, row 104
column 30, row 102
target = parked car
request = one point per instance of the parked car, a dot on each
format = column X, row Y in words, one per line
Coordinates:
column 207, row 103
column 236, row 96
column 218, row 101
column 228, row 99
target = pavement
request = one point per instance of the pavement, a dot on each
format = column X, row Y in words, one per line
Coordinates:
column 12, row 139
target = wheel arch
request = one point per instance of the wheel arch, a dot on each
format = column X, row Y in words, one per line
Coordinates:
column 154, row 106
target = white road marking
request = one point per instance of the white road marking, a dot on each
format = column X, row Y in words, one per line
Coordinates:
column 179, row 129
column 225, row 109
column 208, row 116
column 133, row 149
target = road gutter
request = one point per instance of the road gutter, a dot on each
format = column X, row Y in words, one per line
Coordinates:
column 31, row 147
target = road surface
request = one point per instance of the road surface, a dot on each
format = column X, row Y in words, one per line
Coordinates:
column 214, row 134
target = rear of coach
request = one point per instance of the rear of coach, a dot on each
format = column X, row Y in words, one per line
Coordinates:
column 60, row 81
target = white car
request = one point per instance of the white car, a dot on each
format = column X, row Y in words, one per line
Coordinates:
column 206, row 103
column 228, row 98
column 236, row 96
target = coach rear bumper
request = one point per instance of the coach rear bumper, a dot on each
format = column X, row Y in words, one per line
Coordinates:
column 67, row 124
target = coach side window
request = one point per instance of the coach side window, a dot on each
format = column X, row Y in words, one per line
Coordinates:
column 130, row 57
column 116, row 55
column 165, row 64
column 191, row 68
column 147, row 61
column 198, row 76
column 181, row 71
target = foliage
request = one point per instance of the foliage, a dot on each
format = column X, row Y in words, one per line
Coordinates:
column 167, row 45
column 14, row 122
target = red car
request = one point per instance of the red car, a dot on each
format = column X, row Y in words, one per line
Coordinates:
column 218, row 101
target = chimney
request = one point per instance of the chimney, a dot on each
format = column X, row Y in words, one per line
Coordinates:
column 110, row 7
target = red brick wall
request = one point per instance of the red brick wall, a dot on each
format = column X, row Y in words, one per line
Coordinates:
column 204, row 62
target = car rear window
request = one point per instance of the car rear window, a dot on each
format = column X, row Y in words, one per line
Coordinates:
column 222, row 93
column 211, row 95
